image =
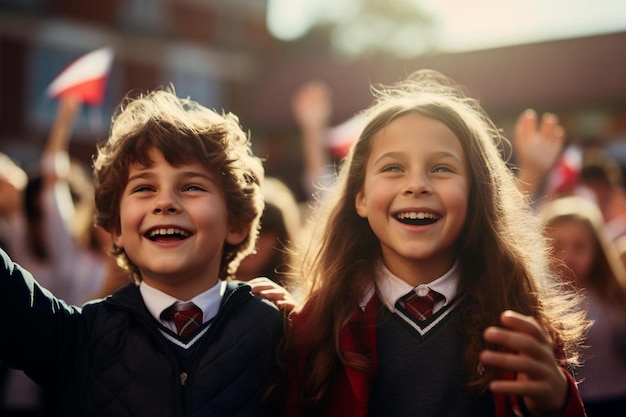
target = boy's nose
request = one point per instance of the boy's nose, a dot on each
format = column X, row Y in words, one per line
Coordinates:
column 166, row 203
column 169, row 209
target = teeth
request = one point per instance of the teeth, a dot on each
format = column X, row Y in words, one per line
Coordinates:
column 169, row 231
column 417, row 215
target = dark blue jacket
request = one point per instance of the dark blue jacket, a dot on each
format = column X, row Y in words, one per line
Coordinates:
column 110, row 359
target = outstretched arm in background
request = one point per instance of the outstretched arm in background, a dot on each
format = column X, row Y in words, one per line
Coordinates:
column 57, row 146
column 537, row 148
column 106, row 275
column 58, row 208
column 55, row 167
column 312, row 108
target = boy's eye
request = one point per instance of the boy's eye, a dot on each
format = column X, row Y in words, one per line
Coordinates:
column 193, row 187
column 141, row 188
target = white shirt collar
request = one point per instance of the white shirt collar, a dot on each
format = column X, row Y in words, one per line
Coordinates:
column 209, row 301
column 391, row 288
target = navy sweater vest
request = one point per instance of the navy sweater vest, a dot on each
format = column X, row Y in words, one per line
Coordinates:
column 421, row 370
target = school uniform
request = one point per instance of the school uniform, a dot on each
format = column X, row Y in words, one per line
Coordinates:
column 114, row 358
column 417, row 366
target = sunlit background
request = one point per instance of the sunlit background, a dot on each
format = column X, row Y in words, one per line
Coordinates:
column 412, row 27
column 250, row 56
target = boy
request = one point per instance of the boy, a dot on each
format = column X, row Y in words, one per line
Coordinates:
column 177, row 187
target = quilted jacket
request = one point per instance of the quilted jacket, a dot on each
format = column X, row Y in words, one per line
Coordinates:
column 110, row 359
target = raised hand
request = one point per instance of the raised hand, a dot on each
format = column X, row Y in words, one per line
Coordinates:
column 312, row 107
column 527, row 351
column 536, row 147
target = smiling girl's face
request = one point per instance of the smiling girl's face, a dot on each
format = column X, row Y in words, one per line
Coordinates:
column 415, row 196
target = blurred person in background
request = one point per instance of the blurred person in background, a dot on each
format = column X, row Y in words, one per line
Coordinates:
column 266, row 268
column 283, row 224
column 602, row 175
column 53, row 232
column 584, row 255
column 311, row 108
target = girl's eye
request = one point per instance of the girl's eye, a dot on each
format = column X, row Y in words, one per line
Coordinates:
column 442, row 168
column 392, row 168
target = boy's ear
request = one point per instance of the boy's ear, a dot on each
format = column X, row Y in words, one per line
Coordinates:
column 359, row 204
column 236, row 235
column 116, row 234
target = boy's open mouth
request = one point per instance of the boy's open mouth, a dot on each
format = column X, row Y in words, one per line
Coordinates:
column 420, row 218
column 165, row 234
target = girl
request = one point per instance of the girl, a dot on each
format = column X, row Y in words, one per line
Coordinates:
column 584, row 252
column 424, row 201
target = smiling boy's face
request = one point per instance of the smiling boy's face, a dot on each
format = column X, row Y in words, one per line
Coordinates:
column 174, row 224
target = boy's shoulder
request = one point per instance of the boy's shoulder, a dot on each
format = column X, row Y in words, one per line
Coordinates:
column 244, row 313
column 126, row 301
column 240, row 292
column 240, row 305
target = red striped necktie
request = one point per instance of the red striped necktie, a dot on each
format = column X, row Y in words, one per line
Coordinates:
column 420, row 306
column 187, row 318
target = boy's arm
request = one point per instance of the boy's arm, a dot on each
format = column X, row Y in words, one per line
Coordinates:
column 35, row 324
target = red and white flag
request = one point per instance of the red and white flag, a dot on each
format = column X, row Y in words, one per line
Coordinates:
column 85, row 78
column 566, row 173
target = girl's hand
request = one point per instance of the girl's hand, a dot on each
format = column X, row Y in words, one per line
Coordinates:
column 271, row 291
column 526, row 350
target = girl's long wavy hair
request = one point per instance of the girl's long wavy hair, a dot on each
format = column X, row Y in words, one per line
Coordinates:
column 183, row 131
column 502, row 253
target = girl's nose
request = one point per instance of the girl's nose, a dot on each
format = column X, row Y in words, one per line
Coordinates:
column 417, row 184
